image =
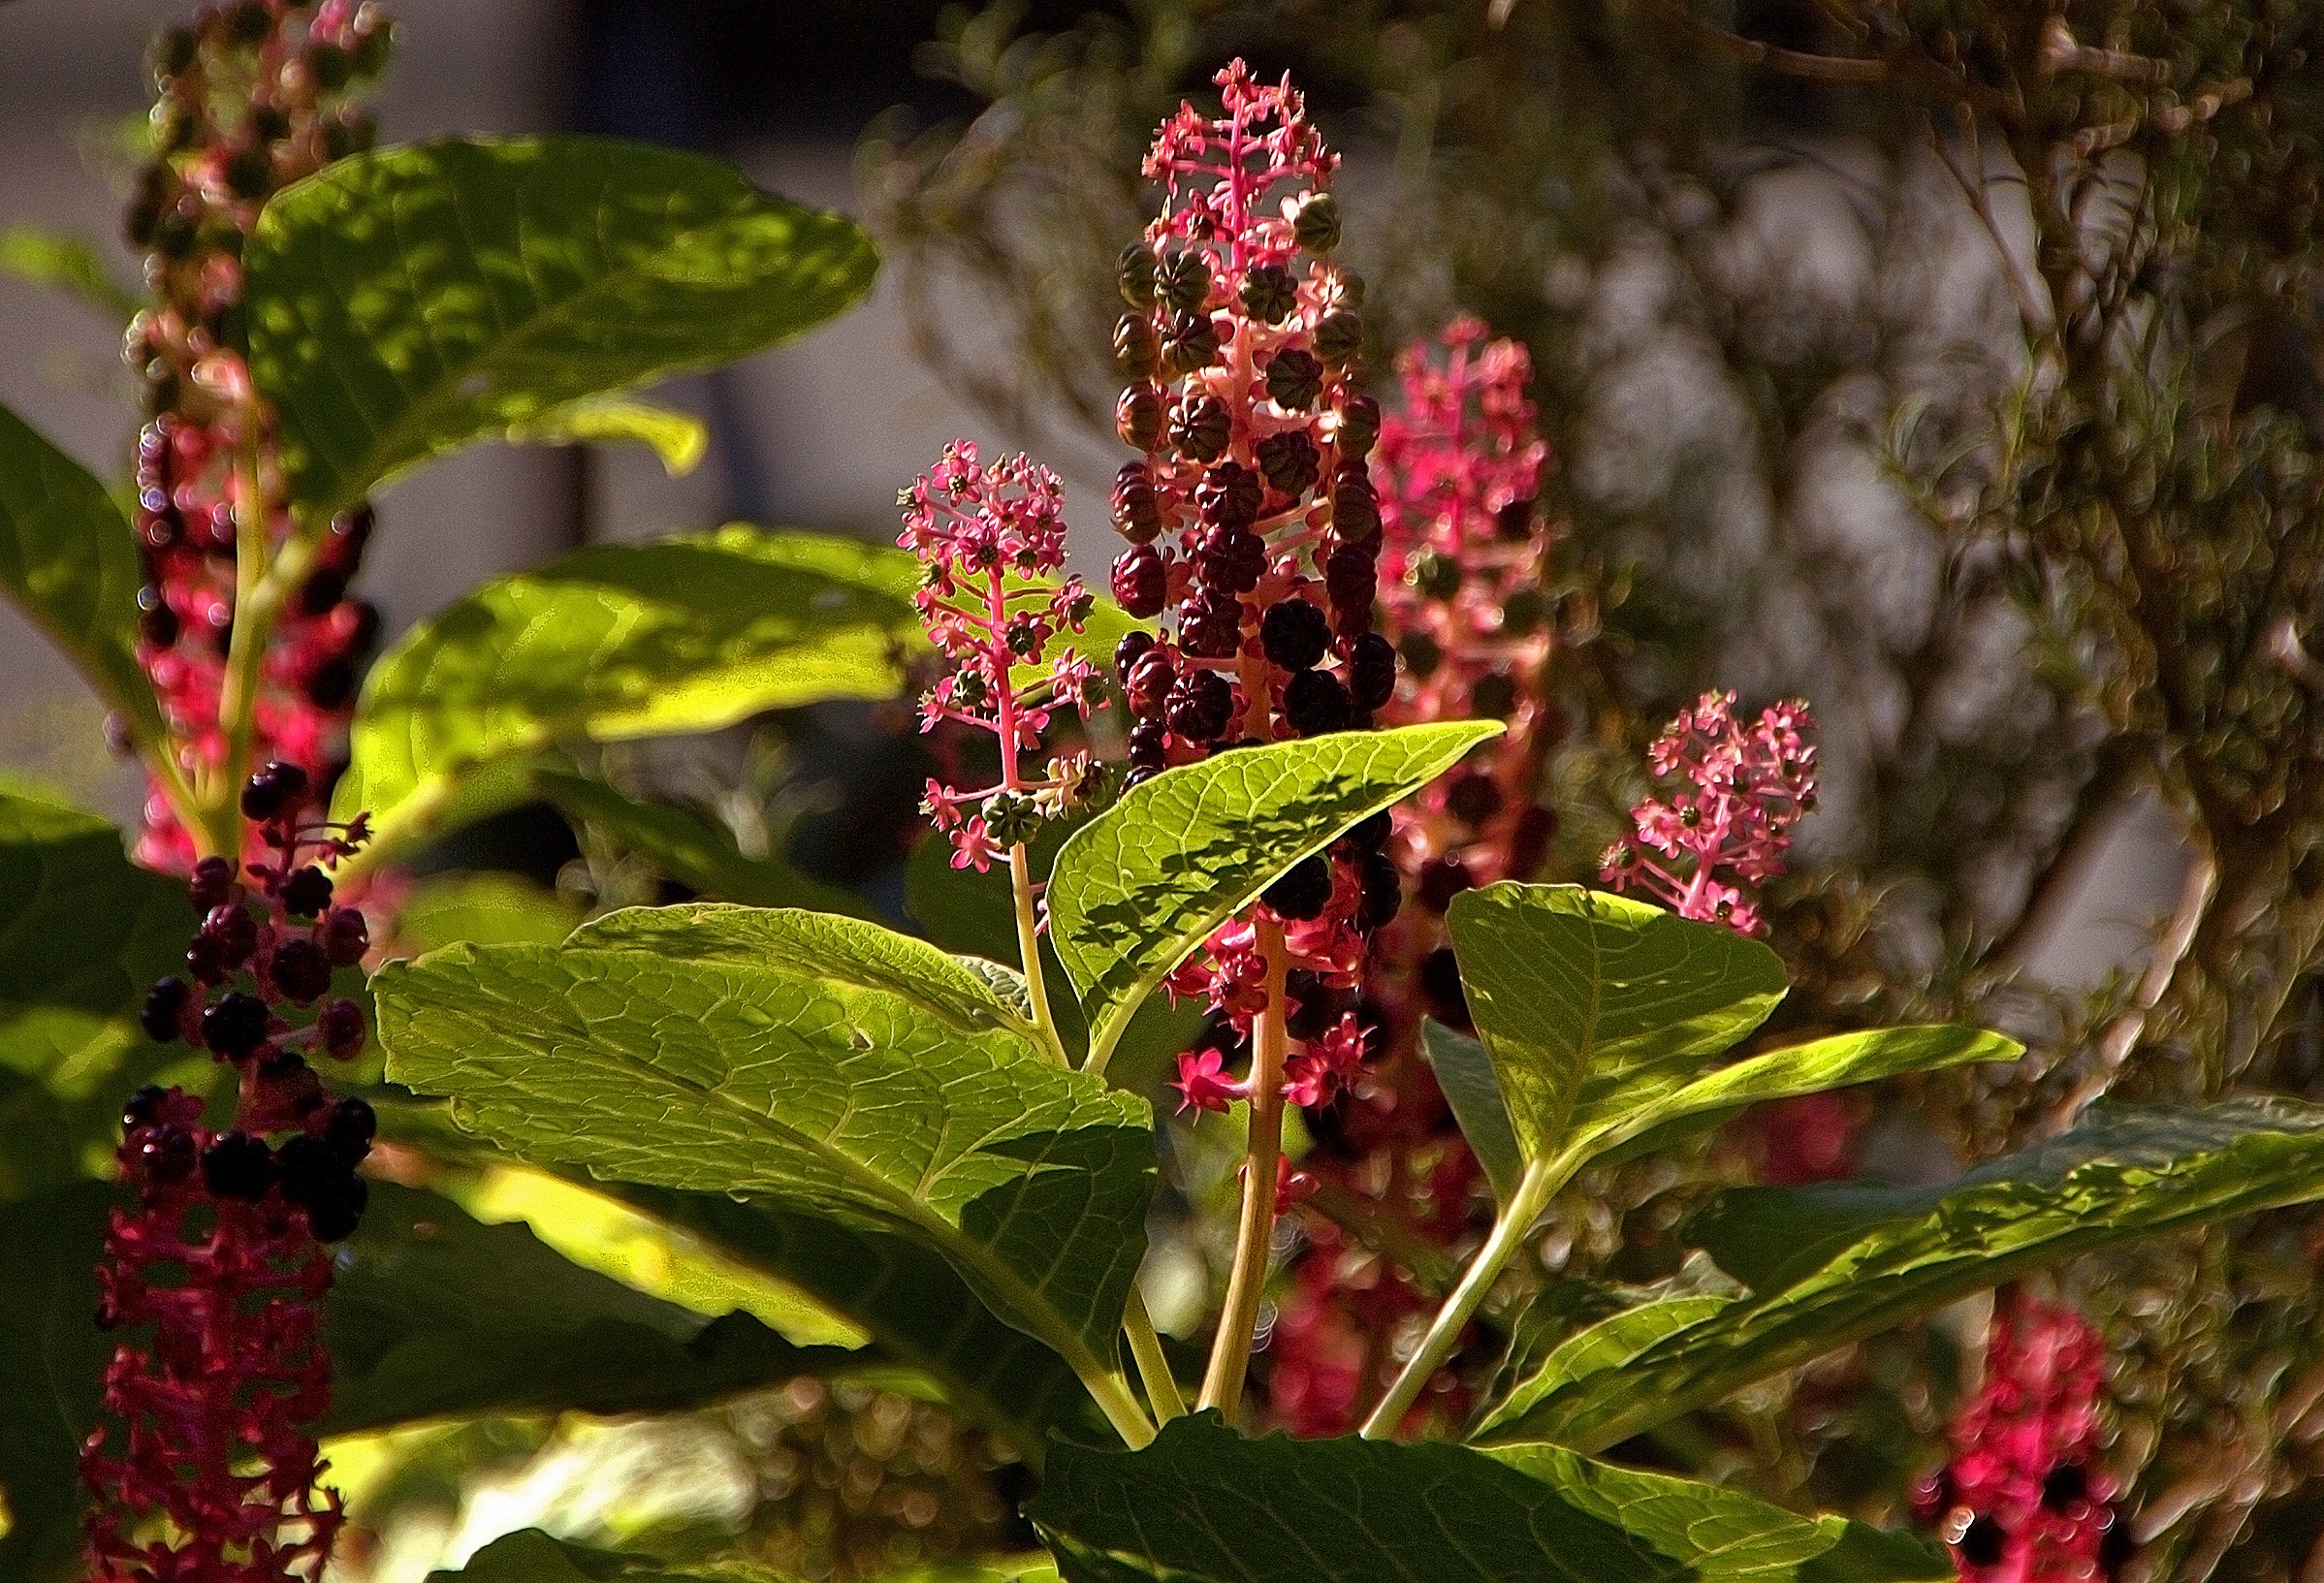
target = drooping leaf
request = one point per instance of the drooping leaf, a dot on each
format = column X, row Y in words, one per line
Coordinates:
column 70, row 562
column 897, row 1108
column 1141, row 886
column 437, row 1315
column 51, row 1359
column 1203, row 1505
column 678, row 438
column 621, row 641
column 1583, row 1000
column 1828, row 1265
column 408, row 302
column 485, row 908
column 530, row 1556
column 1465, row 1072
column 68, row 264
column 691, row 850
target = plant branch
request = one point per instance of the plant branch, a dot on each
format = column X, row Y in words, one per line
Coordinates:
column 1154, row 1365
column 1029, row 948
column 1255, row 1233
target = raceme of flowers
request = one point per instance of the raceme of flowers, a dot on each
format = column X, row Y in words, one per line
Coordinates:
column 200, row 1470
column 988, row 540
column 2022, row 1499
column 251, row 97
column 1723, row 828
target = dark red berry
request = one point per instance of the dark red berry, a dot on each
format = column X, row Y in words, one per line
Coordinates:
column 1350, row 579
column 1372, row 671
column 164, row 1006
column 1314, row 704
column 236, row 1166
column 1234, row 558
column 306, row 893
column 332, row 684
column 1441, row 880
column 350, row 1131
column 300, row 972
column 1383, row 892
column 1201, row 707
column 167, row 1153
column 1213, row 626
column 1137, row 509
column 1138, row 417
column 144, row 1107
column 237, row 1025
column 1294, row 634
column 345, row 937
column 341, row 1025
column 271, row 789
column 335, row 1212
column 1200, row 428
column 321, row 591
column 1295, row 379
column 1229, row 496
column 1150, row 679
column 1313, row 1005
column 211, row 883
column 1142, row 581
column 1149, row 745
column 228, row 933
column 1303, row 892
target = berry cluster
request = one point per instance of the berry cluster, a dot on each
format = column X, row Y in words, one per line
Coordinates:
column 2023, row 1499
column 221, row 1266
column 252, row 96
column 1728, row 826
column 1463, row 561
column 988, row 540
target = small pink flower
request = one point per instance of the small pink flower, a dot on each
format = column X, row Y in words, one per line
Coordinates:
column 1202, row 1082
column 974, row 847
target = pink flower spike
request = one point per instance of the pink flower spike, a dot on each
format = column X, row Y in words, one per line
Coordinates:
column 972, row 846
column 1202, row 1082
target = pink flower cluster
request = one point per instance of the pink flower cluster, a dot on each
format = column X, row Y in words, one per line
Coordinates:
column 2023, row 1501
column 1729, row 825
column 251, row 98
column 988, row 540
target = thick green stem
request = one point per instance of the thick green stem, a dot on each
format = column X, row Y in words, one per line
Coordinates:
column 1255, row 1233
column 1111, row 1393
column 1029, row 947
column 1154, row 1366
column 1535, row 1189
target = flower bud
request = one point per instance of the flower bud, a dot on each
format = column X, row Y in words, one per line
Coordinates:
column 1315, row 225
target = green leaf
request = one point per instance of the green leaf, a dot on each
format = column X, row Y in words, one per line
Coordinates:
column 895, row 1096
column 1585, row 1000
column 1141, row 886
column 678, row 438
column 406, row 303
column 1202, row 1504
column 621, row 641
column 67, row 263
column 1829, row 1265
column 436, row 1314
column 691, row 850
column 485, row 908
column 1465, row 1073
column 52, row 1358
column 530, row 1556
column 70, row 562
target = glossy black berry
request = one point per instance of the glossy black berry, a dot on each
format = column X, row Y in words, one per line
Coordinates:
column 300, row 972
column 238, row 1165
column 1314, row 704
column 211, row 883
column 304, row 1165
column 1141, row 582
column 306, row 893
column 167, row 1155
column 350, row 1131
column 236, row 1026
column 271, row 788
column 1981, row 1542
column 1441, row 880
column 1372, row 671
column 1229, row 496
column 337, row 1208
column 1232, row 559
column 1383, row 892
column 342, row 1024
column 1294, row 634
column 345, row 937
column 332, row 684
column 1201, row 707
column 144, row 1107
column 1350, row 579
column 1149, row 745
column 2066, row 1486
column 1302, row 894
column 1370, row 834
column 1295, row 379
column 164, row 1004
column 228, row 933
column 1441, row 987
column 1135, row 645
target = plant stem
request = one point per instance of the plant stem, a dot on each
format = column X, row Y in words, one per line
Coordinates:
column 1255, row 1234
column 1154, row 1366
column 1111, row 1392
column 1535, row 1189
column 238, row 693
column 1029, row 947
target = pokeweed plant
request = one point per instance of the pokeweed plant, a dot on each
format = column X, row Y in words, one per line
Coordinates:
column 933, row 1146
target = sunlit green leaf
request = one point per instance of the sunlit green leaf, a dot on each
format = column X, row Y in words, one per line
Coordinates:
column 678, row 438
column 485, row 907
column 691, row 850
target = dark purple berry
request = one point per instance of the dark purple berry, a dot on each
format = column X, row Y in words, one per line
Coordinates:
column 1372, row 671
column 1441, row 880
column 1492, row 696
column 1294, row 634
column 341, row 1025
column 271, row 789
column 1295, row 379
column 300, row 972
column 1200, row 428
column 1981, row 1542
column 211, row 883
column 1149, row 681
column 156, row 621
column 1137, row 509
column 1529, row 842
column 236, row 1026
column 236, row 1166
column 306, row 893
column 144, row 1107
column 1234, row 558
column 1141, row 582
column 2065, row 1486
column 228, row 933
column 164, row 1006
column 167, row 1155
column 350, row 1131
column 1441, row 987
column 1201, row 707
column 345, row 937
column 1213, row 626
column 1370, row 834
column 1149, row 745
column 1302, row 894
column 1383, row 892
column 1350, row 579
column 1229, row 496
column 1314, row 704
column 304, row 1165
column 323, row 590
column 330, row 685
column 337, row 1208
column 1313, row 1005
column 1473, row 797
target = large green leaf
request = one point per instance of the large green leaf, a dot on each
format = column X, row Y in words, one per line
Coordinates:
column 1202, row 1504
column 821, row 1062
column 437, row 1315
column 1465, row 1073
column 1141, row 886
column 530, row 1556
column 1584, row 1000
column 408, row 302
column 692, row 851
column 52, row 1357
column 687, row 634
column 70, row 562
column 1826, row 1266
